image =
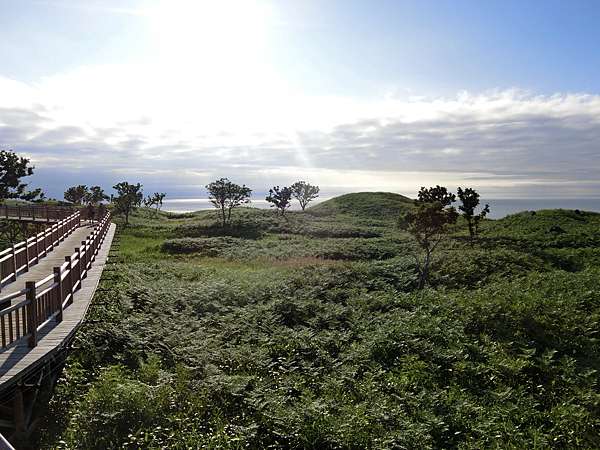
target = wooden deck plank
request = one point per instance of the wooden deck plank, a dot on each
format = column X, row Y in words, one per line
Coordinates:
column 54, row 258
column 19, row 358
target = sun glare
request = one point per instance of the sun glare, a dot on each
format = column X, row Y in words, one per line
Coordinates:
column 212, row 31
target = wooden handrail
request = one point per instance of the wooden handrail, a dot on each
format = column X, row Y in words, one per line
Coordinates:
column 35, row 212
column 18, row 258
column 26, row 318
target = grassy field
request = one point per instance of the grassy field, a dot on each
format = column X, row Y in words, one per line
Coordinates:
column 307, row 332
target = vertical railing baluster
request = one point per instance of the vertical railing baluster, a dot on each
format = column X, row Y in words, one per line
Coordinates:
column 17, row 324
column 70, row 278
column 32, row 313
column 59, row 291
column 3, row 325
column 14, row 261
column 26, row 255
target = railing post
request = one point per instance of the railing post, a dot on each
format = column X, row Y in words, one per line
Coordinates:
column 26, row 255
column 14, row 261
column 47, row 215
column 19, row 211
column 37, row 248
column 78, row 251
column 32, row 319
column 70, row 275
column 58, row 281
column 84, row 258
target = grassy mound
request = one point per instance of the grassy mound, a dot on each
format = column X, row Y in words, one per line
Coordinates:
column 364, row 204
column 557, row 228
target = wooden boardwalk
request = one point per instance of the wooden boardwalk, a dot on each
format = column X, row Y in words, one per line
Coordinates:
column 19, row 359
column 34, row 213
column 54, row 258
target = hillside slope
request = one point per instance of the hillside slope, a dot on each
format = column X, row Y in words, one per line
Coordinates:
column 364, row 204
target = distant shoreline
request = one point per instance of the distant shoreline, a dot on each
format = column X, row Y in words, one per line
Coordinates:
column 499, row 207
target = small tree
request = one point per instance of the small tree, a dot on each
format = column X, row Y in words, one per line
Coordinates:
column 225, row 195
column 76, row 194
column 469, row 199
column 12, row 169
column 428, row 223
column 156, row 200
column 479, row 217
column 280, row 198
column 304, row 192
column 436, row 194
column 128, row 198
column 95, row 195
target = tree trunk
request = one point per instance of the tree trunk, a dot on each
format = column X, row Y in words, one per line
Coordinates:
column 223, row 216
column 471, row 229
column 425, row 271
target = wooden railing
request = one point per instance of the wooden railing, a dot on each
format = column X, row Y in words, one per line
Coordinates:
column 38, row 213
column 46, row 299
column 18, row 258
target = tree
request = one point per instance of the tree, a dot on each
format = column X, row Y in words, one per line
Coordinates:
column 12, row 169
column 428, row 223
column 469, row 199
column 95, row 195
column 225, row 195
column 76, row 194
column 128, row 198
column 280, row 198
column 436, row 194
column 155, row 199
column 304, row 192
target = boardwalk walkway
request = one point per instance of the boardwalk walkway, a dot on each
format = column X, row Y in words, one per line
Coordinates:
column 17, row 359
column 47, row 283
column 54, row 259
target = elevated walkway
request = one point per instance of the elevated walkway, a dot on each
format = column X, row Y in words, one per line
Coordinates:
column 42, row 304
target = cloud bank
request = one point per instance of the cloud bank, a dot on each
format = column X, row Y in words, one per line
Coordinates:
column 106, row 124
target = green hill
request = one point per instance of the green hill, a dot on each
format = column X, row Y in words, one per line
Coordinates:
column 364, row 204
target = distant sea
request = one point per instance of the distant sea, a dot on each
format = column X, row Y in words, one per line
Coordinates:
column 499, row 207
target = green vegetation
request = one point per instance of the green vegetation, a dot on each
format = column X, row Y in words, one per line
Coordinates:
column 13, row 168
column 371, row 205
column 308, row 331
column 129, row 197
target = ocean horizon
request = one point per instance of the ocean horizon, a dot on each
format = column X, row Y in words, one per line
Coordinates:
column 499, row 207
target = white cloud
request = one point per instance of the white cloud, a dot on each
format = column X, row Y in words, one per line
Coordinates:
column 173, row 128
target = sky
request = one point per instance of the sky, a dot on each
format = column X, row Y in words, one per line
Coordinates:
column 502, row 96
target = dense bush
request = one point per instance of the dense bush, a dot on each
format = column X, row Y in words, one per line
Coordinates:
column 246, row 350
column 202, row 246
column 290, row 247
column 468, row 269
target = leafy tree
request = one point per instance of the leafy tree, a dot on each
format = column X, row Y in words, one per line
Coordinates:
column 225, row 195
column 436, row 194
column 76, row 194
column 128, row 198
column 12, row 169
column 428, row 223
column 469, row 199
column 280, row 198
column 155, row 199
column 304, row 192
column 96, row 195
